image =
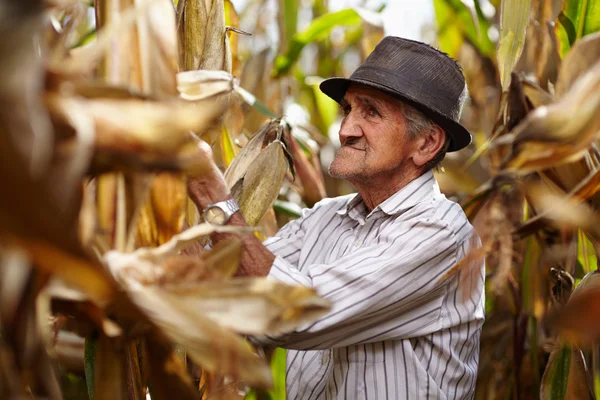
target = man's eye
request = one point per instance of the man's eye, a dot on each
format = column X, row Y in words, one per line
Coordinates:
column 373, row 112
column 345, row 109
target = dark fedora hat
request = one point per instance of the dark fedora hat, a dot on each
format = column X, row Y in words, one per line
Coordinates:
column 417, row 74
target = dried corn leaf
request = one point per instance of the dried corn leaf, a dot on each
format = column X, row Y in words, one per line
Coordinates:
column 191, row 29
column 109, row 374
column 240, row 164
column 578, row 61
column 563, row 211
column 577, row 322
column 311, row 177
column 560, row 132
column 160, row 127
column 223, row 261
column 167, row 371
column 219, row 263
column 74, row 270
column 255, row 177
column 216, row 53
column 204, row 84
column 253, row 306
column 83, row 60
column 206, row 343
column 146, row 265
column 232, row 20
column 202, row 37
column 168, row 195
column 257, row 190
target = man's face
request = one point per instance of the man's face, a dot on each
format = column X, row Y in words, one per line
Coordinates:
column 373, row 136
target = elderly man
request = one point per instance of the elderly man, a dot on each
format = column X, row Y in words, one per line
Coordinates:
column 400, row 326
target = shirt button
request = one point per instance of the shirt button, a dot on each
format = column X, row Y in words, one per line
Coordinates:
column 357, row 244
column 325, row 359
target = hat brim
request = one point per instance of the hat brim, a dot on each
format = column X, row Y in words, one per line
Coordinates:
column 459, row 136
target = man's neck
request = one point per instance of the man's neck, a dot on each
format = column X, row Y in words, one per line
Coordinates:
column 378, row 189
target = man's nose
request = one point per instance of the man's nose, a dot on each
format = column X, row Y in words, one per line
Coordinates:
column 350, row 128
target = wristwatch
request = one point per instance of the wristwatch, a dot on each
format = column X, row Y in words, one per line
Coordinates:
column 219, row 213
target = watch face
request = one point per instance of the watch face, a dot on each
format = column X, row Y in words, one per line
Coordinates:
column 215, row 215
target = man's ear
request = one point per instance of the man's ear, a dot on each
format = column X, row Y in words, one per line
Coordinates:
column 428, row 145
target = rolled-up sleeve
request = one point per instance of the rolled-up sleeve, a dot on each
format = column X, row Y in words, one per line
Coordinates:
column 385, row 291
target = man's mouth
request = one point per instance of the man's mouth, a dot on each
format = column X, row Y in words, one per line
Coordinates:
column 353, row 147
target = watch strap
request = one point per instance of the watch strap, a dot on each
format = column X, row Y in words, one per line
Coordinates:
column 229, row 207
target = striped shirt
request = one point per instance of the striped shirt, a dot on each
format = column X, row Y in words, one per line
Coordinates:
column 399, row 328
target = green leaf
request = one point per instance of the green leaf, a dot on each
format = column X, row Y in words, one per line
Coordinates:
column 228, row 149
column 89, row 360
column 577, row 19
column 585, row 253
column 513, row 24
column 289, row 10
column 278, row 360
column 318, row 30
column 556, row 376
column 254, row 102
column 326, row 106
column 456, row 21
column 288, row 208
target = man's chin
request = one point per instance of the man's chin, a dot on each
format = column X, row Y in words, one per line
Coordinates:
column 341, row 170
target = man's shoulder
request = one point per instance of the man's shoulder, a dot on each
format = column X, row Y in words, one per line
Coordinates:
column 450, row 214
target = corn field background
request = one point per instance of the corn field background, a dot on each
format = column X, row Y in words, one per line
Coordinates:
column 107, row 290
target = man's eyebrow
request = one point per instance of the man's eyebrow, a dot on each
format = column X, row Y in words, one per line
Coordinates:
column 369, row 101
column 343, row 102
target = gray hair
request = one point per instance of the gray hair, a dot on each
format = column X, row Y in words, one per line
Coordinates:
column 416, row 124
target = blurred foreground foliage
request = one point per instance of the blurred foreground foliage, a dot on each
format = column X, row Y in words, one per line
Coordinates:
column 106, row 290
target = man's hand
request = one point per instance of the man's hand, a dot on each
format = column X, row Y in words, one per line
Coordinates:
column 210, row 187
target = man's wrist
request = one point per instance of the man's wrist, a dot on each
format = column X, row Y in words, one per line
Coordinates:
column 204, row 192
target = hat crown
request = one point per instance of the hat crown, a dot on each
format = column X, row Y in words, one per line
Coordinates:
column 417, row 71
column 419, row 75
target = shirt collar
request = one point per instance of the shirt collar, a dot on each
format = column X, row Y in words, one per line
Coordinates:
column 423, row 187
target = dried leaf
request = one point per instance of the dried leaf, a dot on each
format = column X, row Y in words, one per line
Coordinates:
column 146, row 265
column 158, row 49
column 232, row 22
column 216, row 54
column 311, row 178
column 578, row 322
column 167, row 372
column 578, row 61
column 240, row 164
column 252, row 306
column 162, row 127
column 560, row 132
column 109, row 367
column 204, row 84
column 75, row 271
column 191, row 28
column 257, row 190
column 563, row 211
column 168, row 195
column 206, row 343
